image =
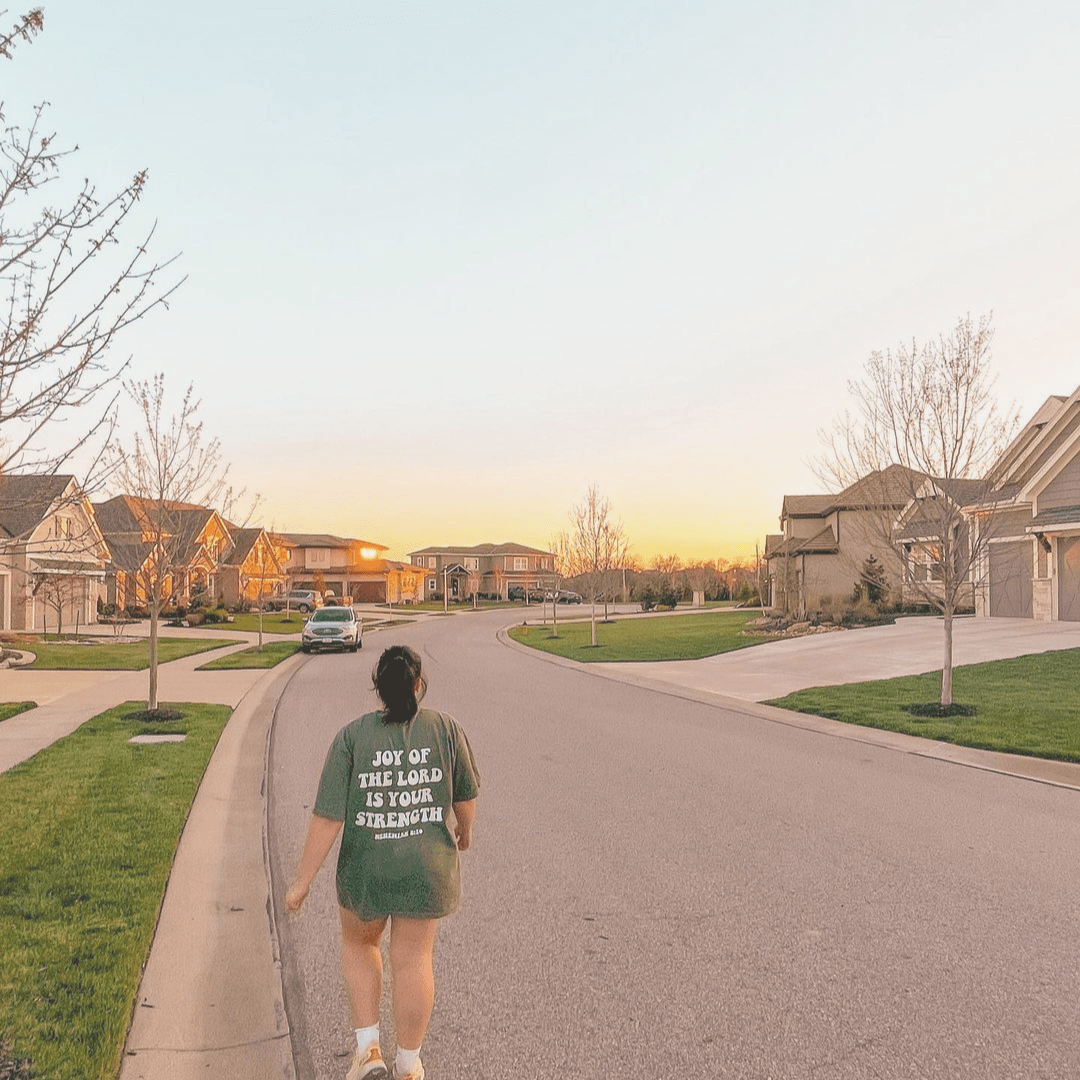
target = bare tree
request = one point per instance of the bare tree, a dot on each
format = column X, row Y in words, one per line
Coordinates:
column 596, row 546
column 925, row 433
column 68, row 287
column 474, row 579
column 168, row 470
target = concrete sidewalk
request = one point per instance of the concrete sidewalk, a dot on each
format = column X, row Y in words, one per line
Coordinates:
column 211, row 1004
column 67, row 699
column 908, row 647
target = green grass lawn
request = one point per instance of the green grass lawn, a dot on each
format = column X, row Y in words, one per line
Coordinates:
column 1028, row 705
column 274, row 622
column 666, row 637
column 88, row 831
column 13, row 708
column 115, row 655
column 273, row 652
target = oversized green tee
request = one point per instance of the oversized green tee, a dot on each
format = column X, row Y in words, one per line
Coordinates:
column 393, row 786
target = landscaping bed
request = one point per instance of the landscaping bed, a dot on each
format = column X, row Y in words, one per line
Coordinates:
column 1026, row 705
column 88, row 832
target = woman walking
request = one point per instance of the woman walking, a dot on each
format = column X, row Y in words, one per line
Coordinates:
column 392, row 779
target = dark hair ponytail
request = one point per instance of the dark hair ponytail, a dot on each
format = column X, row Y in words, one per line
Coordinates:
column 399, row 683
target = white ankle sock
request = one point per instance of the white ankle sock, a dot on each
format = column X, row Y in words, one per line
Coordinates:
column 366, row 1036
column 406, row 1061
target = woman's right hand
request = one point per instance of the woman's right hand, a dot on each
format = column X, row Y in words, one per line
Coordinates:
column 295, row 897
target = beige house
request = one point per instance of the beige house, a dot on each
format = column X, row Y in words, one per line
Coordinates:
column 349, row 568
column 827, row 539
column 183, row 549
column 252, row 567
column 486, row 569
column 52, row 554
column 1032, row 563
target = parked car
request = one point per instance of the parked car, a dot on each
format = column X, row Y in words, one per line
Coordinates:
column 334, row 627
column 517, row 592
column 302, row 600
column 568, row 596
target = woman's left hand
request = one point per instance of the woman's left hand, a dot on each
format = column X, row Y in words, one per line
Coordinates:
column 295, row 897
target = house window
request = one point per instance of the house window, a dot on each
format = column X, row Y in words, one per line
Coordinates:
column 63, row 527
column 521, row 562
column 431, row 562
column 318, row 556
column 926, row 564
column 431, row 584
column 472, row 564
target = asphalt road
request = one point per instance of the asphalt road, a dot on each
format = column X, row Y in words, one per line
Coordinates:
column 661, row 888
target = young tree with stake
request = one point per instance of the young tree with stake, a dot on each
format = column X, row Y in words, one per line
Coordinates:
column 927, row 425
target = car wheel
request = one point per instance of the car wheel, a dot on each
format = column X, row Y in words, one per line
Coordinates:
column 304, row 649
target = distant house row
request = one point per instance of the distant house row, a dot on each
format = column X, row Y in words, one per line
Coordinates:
column 60, row 554
column 486, row 569
column 1028, row 506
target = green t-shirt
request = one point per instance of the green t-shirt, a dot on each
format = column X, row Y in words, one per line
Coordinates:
column 393, row 786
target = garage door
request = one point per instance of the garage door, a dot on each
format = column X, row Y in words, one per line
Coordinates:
column 1069, row 578
column 1010, row 580
column 369, row 592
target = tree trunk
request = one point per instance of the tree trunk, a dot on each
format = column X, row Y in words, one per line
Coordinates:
column 593, row 621
column 946, row 667
column 152, row 703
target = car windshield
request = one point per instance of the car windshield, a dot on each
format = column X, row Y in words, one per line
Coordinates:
column 332, row 615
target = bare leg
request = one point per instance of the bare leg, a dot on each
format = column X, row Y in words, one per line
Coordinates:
column 412, row 942
column 361, row 961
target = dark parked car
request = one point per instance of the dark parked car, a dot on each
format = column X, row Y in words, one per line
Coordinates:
column 568, row 596
column 333, row 628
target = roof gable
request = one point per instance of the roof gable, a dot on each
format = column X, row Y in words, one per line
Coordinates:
column 25, row 500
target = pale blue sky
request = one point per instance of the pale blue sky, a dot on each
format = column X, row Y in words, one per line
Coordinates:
column 450, row 263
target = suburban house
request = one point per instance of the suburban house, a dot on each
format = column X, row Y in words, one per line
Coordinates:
column 1032, row 514
column 490, row 569
column 827, row 539
column 187, row 544
column 252, row 567
column 52, row 554
column 348, row 568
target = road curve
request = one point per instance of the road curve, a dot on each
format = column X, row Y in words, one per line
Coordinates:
column 660, row 887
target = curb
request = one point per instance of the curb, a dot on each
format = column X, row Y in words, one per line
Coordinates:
column 210, row 1002
column 1039, row 770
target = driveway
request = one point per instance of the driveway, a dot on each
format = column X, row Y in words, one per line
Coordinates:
column 910, row 646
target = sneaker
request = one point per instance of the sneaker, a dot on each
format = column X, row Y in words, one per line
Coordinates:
column 416, row 1073
column 368, row 1065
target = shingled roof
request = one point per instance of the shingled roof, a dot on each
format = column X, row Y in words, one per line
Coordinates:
column 26, row 499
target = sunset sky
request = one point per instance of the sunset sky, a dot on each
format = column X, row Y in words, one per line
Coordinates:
column 451, row 263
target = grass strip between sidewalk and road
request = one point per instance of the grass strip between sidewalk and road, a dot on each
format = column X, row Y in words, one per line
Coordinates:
column 13, row 708
column 1027, row 705
column 88, row 831
column 657, row 637
column 271, row 654
column 273, row 622
column 116, row 655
